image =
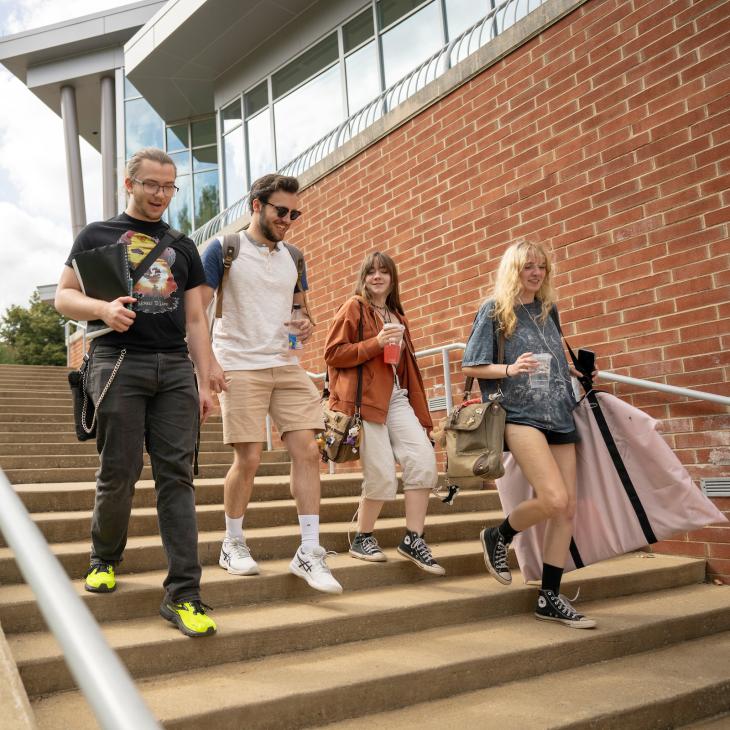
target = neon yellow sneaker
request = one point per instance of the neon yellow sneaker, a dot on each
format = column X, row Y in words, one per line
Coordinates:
column 100, row 577
column 189, row 617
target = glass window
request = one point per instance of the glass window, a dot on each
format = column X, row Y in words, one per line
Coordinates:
column 363, row 77
column 462, row 14
column 256, row 99
column 142, row 126
column 307, row 114
column 205, row 158
column 129, row 90
column 182, row 161
column 391, row 10
column 203, row 132
column 180, row 211
column 206, row 196
column 260, row 145
column 358, row 30
column 234, row 166
column 177, row 138
column 231, row 116
column 412, row 41
column 309, row 63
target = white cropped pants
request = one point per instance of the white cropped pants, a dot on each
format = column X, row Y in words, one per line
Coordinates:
column 400, row 439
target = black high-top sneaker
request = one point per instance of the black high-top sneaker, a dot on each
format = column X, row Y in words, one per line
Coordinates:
column 495, row 554
column 414, row 547
column 557, row 608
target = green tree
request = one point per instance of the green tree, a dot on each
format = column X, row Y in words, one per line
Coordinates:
column 33, row 335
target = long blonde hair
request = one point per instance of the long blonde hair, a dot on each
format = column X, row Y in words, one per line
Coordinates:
column 507, row 285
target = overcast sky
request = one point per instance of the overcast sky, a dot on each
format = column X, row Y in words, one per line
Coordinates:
column 34, row 205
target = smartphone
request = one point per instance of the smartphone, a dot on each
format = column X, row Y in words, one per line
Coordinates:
column 586, row 361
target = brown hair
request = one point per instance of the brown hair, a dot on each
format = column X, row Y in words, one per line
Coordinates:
column 269, row 184
column 148, row 153
column 382, row 260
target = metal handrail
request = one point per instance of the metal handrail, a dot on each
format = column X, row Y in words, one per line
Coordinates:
column 67, row 336
column 98, row 671
column 673, row 389
column 482, row 32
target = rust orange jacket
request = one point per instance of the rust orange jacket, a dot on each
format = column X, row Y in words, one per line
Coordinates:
column 343, row 353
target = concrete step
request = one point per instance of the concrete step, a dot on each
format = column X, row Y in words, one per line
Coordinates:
column 148, row 648
column 717, row 722
column 18, row 430
column 45, row 406
column 74, row 526
column 330, row 683
column 655, row 689
column 17, row 415
column 139, row 595
column 26, row 396
column 90, row 458
column 85, row 447
column 85, row 474
column 80, row 495
column 145, row 553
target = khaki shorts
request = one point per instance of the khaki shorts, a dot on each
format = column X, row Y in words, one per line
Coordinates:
column 286, row 393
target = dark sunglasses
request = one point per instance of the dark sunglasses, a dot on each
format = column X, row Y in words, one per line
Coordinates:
column 282, row 212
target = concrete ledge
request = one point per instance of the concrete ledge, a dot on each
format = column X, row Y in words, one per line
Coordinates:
column 16, row 713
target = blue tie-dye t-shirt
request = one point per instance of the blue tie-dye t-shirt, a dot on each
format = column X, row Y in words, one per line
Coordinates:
column 548, row 409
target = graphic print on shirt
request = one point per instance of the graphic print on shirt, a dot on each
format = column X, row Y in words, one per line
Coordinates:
column 154, row 290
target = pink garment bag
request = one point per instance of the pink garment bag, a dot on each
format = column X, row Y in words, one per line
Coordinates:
column 632, row 489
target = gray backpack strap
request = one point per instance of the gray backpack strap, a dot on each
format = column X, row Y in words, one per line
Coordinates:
column 298, row 258
column 231, row 245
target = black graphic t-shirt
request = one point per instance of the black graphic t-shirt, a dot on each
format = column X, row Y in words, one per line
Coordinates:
column 160, row 322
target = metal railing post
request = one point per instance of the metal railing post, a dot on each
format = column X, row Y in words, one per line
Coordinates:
column 98, row 671
column 447, row 379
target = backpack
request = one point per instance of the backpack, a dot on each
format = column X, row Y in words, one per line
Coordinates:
column 231, row 244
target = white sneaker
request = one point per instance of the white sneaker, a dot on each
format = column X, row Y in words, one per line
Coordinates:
column 310, row 564
column 236, row 557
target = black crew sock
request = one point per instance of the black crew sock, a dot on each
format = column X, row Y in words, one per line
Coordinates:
column 551, row 577
column 507, row 531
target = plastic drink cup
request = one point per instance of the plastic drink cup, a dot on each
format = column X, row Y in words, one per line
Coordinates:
column 540, row 377
column 391, row 351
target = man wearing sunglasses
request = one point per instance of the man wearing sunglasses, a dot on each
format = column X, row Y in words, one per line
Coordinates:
column 262, row 375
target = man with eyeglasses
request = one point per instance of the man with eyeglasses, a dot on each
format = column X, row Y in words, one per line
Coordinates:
column 264, row 283
column 139, row 348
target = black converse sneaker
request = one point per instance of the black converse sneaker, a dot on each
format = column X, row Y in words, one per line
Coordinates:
column 557, row 608
column 495, row 554
column 365, row 547
column 414, row 547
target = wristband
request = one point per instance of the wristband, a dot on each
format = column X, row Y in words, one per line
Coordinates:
column 506, row 371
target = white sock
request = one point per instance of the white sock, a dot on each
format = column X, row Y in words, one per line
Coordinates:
column 234, row 527
column 309, row 526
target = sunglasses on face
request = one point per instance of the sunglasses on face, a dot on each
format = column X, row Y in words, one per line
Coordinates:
column 282, row 212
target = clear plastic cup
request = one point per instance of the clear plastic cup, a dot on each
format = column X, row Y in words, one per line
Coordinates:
column 540, row 377
column 391, row 351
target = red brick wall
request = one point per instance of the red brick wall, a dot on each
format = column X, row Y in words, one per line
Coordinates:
column 607, row 136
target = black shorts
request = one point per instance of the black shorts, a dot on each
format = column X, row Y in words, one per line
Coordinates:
column 552, row 437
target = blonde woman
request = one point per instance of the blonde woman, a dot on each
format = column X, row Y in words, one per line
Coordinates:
column 540, row 430
column 394, row 408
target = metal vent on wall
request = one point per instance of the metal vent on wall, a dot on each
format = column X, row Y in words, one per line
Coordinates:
column 437, row 404
column 716, row 486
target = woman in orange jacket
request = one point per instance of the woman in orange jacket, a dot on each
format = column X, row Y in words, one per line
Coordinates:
column 394, row 409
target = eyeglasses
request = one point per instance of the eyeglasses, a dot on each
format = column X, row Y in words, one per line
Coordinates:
column 282, row 212
column 151, row 187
